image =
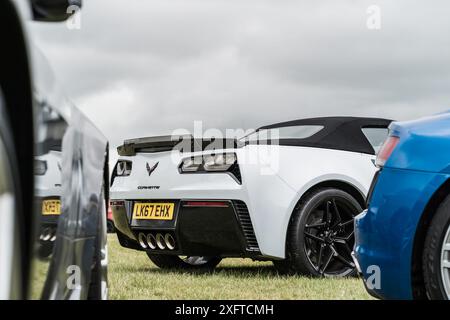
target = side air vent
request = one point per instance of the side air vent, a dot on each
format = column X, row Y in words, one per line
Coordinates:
column 236, row 172
column 246, row 225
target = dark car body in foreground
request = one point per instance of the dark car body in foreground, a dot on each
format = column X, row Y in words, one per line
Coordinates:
column 405, row 233
column 37, row 120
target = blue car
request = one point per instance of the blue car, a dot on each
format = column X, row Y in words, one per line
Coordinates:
column 402, row 241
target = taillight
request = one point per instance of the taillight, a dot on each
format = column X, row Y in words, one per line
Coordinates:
column 208, row 163
column 109, row 214
column 386, row 150
column 40, row 167
column 117, row 203
column 214, row 204
column 123, row 168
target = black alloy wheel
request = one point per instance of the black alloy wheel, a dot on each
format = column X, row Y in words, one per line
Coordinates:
column 329, row 237
column 321, row 235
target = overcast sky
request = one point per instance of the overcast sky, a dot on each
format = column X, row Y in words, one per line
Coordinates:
column 140, row 68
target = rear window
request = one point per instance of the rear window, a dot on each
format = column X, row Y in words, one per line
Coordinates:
column 292, row 132
column 376, row 136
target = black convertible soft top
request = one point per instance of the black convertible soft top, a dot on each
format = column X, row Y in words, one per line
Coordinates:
column 340, row 133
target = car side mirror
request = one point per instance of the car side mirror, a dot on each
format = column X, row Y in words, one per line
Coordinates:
column 54, row 10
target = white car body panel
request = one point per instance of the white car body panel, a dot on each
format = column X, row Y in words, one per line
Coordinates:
column 49, row 184
column 270, row 198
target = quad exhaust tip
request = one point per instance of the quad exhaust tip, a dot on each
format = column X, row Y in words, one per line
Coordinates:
column 151, row 241
column 170, row 241
column 47, row 235
column 160, row 241
column 156, row 241
column 142, row 240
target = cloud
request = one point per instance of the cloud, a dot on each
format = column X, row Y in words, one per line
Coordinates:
column 140, row 68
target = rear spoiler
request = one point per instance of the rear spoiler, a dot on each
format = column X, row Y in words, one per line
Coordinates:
column 183, row 143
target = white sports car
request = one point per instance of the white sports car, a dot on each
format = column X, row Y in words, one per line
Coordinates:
column 287, row 193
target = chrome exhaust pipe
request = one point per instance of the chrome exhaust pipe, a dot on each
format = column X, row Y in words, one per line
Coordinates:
column 46, row 234
column 160, row 241
column 170, row 241
column 53, row 238
column 142, row 240
column 151, row 241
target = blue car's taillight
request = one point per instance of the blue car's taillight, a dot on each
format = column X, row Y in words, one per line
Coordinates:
column 386, row 150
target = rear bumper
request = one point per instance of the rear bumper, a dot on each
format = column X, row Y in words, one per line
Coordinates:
column 199, row 229
column 385, row 233
column 49, row 223
column 47, row 228
column 394, row 270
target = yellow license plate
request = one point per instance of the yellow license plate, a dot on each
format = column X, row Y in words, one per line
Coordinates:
column 153, row 211
column 51, row 207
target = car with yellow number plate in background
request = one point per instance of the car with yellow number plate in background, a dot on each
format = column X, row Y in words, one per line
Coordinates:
column 189, row 202
column 47, row 174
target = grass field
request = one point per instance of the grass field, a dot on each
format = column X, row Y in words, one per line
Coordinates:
column 133, row 276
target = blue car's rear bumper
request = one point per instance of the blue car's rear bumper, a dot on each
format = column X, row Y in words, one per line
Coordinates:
column 385, row 232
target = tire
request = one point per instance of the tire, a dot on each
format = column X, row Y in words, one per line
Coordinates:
column 321, row 226
column 188, row 263
column 98, row 288
column 437, row 250
column 45, row 250
column 110, row 227
column 11, row 230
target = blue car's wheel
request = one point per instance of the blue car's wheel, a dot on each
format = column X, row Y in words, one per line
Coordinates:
column 445, row 262
column 436, row 257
